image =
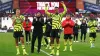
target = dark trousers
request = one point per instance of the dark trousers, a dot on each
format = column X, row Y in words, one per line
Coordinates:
column 18, row 39
column 82, row 36
column 46, row 40
column 76, row 36
column 28, row 36
column 39, row 37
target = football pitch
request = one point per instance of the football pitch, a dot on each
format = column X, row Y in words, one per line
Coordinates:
column 7, row 47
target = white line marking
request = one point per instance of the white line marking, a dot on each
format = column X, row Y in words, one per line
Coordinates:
column 44, row 52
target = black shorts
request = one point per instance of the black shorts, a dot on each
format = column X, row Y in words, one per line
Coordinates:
column 92, row 35
column 47, row 34
column 60, row 30
column 55, row 33
column 18, row 34
column 67, row 36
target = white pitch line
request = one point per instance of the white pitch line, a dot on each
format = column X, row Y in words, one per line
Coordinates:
column 44, row 52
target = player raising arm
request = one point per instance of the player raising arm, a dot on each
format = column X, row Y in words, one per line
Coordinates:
column 56, row 26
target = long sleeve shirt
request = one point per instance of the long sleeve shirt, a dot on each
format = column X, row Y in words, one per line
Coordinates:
column 56, row 18
column 38, row 22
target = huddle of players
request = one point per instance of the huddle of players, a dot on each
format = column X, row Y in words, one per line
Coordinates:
column 53, row 32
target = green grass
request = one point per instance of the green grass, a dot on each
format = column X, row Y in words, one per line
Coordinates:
column 7, row 47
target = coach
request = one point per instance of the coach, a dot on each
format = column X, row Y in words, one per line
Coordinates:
column 38, row 22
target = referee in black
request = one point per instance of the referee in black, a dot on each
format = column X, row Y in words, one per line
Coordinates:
column 38, row 22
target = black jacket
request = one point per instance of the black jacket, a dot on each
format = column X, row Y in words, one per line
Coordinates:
column 83, row 28
column 38, row 22
column 48, row 25
column 75, row 29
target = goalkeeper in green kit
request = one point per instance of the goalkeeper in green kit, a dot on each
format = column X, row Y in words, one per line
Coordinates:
column 56, row 26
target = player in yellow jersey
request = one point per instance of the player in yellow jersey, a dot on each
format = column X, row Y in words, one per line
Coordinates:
column 18, row 30
column 56, row 26
column 92, row 24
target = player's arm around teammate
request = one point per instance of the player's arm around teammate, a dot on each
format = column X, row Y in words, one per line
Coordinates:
column 68, row 25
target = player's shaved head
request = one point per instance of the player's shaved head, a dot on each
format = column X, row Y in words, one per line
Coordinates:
column 56, row 10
